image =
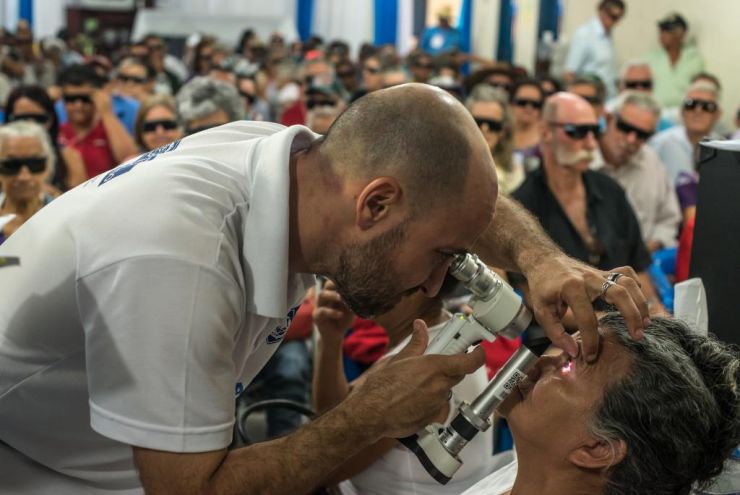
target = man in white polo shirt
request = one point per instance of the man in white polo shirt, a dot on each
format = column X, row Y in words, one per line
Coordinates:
column 145, row 297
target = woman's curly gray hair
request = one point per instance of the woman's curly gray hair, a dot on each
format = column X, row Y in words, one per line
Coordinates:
column 677, row 409
column 203, row 96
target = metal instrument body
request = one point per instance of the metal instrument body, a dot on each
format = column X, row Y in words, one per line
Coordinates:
column 497, row 310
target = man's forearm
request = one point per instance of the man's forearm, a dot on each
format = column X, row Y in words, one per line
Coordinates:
column 121, row 143
column 514, row 240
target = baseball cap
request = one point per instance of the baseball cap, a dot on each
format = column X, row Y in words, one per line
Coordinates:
column 672, row 20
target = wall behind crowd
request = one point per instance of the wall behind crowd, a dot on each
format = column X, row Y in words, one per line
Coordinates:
column 712, row 25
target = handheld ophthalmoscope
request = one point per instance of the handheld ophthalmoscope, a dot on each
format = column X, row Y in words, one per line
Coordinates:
column 497, row 310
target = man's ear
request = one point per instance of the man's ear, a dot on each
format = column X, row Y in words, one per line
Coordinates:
column 376, row 201
column 597, row 454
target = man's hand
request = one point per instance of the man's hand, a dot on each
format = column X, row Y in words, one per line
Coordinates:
column 331, row 315
column 102, row 100
column 411, row 390
column 558, row 283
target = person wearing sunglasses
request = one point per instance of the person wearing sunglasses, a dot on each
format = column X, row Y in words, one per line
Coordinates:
column 92, row 127
column 526, row 104
column 637, row 76
column 677, row 146
column 675, row 62
column 371, row 74
column 626, row 158
column 26, row 164
column 134, row 79
column 585, row 212
column 157, row 123
column 591, row 49
column 204, row 103
column 32, row 103
column 592, row 89
column 490, row 109
column 421, row 67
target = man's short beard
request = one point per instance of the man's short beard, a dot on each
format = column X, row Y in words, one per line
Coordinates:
column 366, row 279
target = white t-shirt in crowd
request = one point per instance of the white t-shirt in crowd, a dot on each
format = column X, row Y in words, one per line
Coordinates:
column 498, row 482
column 144, row 299
column 400, row 472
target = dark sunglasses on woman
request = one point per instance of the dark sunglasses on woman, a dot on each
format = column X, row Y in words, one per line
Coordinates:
column 152, row 125
column 12, row 166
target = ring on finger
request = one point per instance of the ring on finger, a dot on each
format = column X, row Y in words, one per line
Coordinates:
column 614, row 276
column 605, row 287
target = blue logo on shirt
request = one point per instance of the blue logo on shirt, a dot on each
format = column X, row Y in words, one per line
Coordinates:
column 146, row 157
column 277, row 335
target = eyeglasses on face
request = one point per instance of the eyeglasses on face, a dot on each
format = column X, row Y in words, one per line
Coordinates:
column 75, row 98
column 694, row 104
column 131, row 79
column 490, row 124
column 639, row 84
column 524, row 102
column 152, row 125
column 12, row 166
column 578, row 131
column 627, row 128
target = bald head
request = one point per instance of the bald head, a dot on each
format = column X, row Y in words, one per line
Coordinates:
column 567, row 107
column 416, row 133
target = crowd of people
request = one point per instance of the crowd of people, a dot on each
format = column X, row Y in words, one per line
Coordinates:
column 604, row 159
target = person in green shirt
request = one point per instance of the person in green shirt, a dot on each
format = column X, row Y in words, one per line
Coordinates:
column 675, row 63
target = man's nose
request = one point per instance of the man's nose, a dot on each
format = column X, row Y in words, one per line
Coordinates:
column 431, row 285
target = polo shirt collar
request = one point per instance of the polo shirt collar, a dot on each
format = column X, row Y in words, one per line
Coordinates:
column 270, row 292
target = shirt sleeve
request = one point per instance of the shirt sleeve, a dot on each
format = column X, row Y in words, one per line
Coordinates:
column 159, row 338
column 576, row 57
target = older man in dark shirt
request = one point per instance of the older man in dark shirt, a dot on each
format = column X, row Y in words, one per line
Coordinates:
column 585, row 212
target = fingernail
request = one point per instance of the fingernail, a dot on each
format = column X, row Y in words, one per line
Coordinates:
column 572, row 349
column 647, row 322
column 639, row 334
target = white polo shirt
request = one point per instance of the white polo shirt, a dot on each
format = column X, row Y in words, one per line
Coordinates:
column 144, row 298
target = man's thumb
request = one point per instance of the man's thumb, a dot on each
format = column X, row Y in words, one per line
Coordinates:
column 418, row 343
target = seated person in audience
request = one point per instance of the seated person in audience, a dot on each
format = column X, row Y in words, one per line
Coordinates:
column 650, row 417
column 625, row 158
column 549, row 85
column 527, row 99
column 320, row 118
column 592, row 89
column 421, row 66
column 636, row 76
column 34, row 104
column 92, row 127
column 134, row 79
column 205, row 102
column 158, row 123
column 585, row 212
column 491, row 112
column 255, row 107
column 677, row 146
column 388, row 467
column 26, row 163
column 346, row 73
column 393, row 76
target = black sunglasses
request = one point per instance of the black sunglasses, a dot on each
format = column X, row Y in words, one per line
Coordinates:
column 424, row 66
column 592, row 100
column 523, row 102
column 151, row 125
column 12, row 166
column 614, row 16
column 504, row 86
column 80, row 98
column 493, row 125
column 646, row 84
column 39, row 118
column 628, row 129
column 579, row 131
column 248, row 96
column 134, row 79
column 372, row 70
column 311, row 104
column 693, row 104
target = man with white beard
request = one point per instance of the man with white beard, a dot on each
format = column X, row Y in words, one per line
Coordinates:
column 585, row 212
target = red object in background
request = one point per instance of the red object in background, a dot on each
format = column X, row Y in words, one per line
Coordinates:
column 683, row 257
column 302, row 325
column 498, row 352
column 367, row 343
column 294, row 114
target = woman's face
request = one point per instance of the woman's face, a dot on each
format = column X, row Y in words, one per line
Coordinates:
column 551, row 409
column 22, row 183
column 490, row 119
column 159, row 127
column 27, row 109
column 527, row 105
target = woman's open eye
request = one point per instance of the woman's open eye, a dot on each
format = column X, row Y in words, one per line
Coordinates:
column 567, row 367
